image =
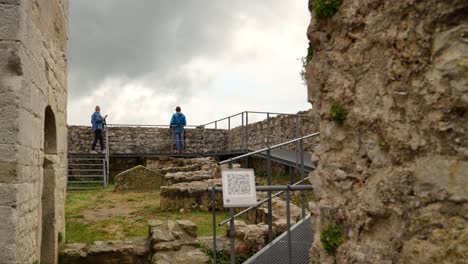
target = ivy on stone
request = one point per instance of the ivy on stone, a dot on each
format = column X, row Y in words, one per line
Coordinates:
column 338, row 113
column 326, row 8
column 331, row 237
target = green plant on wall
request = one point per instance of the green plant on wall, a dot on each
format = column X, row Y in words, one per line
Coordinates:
column 331, row 238
column 305, row 61
column 338, row 112
column 326, row 8
column 382, row 144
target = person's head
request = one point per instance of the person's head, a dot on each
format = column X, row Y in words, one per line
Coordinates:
column 177, row 109
column 98, row 109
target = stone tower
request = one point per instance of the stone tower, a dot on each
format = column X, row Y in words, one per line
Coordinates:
column 33, row 101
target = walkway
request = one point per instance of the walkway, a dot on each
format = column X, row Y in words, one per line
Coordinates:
column 277, row 251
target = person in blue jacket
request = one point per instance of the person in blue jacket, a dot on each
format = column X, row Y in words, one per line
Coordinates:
column 97, row 122
column 177, row 124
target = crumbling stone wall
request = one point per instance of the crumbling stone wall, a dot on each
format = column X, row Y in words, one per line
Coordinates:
column 33, row 132
column 394, row 175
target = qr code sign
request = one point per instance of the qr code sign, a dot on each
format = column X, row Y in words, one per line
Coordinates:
column 238, row 184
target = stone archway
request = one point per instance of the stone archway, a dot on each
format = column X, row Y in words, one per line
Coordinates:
column 48, row 237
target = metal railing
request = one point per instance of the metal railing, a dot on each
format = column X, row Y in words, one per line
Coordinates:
column 269, row 188
column 237, row 129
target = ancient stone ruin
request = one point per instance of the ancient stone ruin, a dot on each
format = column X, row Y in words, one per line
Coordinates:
column 388, row 82
column 167, row 242
column 33, row 130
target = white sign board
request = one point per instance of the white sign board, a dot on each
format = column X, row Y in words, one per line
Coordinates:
column 239, row 188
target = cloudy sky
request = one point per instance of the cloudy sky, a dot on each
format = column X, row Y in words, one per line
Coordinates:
column 139, row 59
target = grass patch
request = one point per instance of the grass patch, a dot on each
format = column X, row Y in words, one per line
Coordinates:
column 83, row 233
column 95, row 215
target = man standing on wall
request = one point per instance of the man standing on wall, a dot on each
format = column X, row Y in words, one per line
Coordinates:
column 98, row 122
column 177, row 124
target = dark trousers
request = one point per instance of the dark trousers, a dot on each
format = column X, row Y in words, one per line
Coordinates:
column 98, row 136
column 178, row 139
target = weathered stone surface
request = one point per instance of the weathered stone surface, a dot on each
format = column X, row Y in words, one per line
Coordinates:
column 139, row 178
column 393, row 175
column 108, row 252
column 190, row 196
column 449, row 175
column 180, row 248
column 33, row 96
column 248, row 237
column 189, row 227
column 186, row 255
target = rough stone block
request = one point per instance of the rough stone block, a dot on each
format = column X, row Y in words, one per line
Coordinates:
column 139, row 178
column 8, row 234
column 190, row 196
column 9, row 21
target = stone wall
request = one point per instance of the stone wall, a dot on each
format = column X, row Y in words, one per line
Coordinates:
column 281, row 128
column 140, row 140
column 394, row 175
column 33, row 101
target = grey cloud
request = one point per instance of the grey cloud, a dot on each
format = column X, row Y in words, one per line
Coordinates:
column 153, row 38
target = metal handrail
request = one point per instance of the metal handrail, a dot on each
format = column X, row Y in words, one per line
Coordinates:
column 259, row 203
column 148, row 126
column 268, row 148
column 273, row 113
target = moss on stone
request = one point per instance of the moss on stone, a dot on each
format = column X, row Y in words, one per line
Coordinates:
column 331, row 237
column 326, row 8
column 338, row 112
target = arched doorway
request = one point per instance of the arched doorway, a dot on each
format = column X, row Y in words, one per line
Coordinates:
column 48, row 236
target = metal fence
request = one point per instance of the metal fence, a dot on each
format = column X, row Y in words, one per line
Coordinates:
column 268, row 188
column 238, row 130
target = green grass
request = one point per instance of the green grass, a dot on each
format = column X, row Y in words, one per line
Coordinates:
column 81, row 228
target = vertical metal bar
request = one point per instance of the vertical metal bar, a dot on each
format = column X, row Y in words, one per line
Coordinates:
column 296, row 135
column 302, row 177
column 203, row 141
column 213, row 210
column 104, row 173
column 270, row 212
column 229, row 134
column 171, row 132
column 246, row 131
column 288, row 220
column 241, row 143
column 232, row 230
column 107, row 153
column 231, row 233
column 216, row 131
column 268, row 130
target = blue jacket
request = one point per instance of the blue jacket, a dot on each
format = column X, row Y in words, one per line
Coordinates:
column 97, row 121
column 178, row 122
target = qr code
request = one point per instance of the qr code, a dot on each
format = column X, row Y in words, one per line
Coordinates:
column 238, row 184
